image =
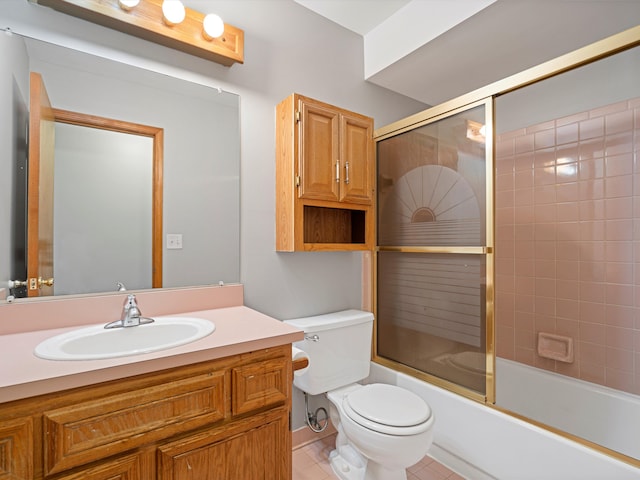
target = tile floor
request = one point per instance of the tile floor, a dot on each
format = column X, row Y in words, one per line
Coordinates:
column 311, row 462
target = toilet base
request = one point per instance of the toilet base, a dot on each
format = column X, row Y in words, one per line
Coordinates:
column 347, row 464
column 375, row 471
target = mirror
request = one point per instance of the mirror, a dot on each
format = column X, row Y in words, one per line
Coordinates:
column 201, row 170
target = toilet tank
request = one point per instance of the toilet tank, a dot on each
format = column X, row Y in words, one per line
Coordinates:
column 339, row 349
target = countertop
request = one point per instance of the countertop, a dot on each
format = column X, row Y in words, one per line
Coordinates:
column 239, row 329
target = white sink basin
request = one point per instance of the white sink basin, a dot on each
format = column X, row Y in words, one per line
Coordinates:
column 96, row 342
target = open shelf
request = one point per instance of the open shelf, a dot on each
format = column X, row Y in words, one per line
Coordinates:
column 334, row 225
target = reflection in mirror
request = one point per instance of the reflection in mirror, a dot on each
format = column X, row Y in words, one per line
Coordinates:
column 113, row 232
column 566, row 242
column 200, row 197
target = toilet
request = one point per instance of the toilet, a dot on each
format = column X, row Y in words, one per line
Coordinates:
column 382, row 429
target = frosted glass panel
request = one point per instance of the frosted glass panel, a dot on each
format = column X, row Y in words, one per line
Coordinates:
column 431, row 183
column 431, row 305
column 431, row 310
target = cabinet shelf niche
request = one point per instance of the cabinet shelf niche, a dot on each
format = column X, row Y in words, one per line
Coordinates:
column 334, row 225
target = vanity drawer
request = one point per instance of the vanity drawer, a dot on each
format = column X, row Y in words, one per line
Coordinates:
column 80, row 433
column 260, row 384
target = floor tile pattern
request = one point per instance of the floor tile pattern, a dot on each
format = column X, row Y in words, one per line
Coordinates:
column 311, row 462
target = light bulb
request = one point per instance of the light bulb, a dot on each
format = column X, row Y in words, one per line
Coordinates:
column 173, row 12
column 212, row 26
column 128, row 4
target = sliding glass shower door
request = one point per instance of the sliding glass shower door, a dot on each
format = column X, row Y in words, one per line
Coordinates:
column 434, row 256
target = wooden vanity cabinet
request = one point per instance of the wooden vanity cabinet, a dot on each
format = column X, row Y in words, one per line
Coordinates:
column 227, row 418
column 325, row 177
column 253, row 450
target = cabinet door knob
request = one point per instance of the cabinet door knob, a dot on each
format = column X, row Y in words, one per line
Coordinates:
column 338, row 171
column 346, row 172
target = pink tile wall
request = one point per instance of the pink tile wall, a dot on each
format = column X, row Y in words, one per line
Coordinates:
column 568, row 243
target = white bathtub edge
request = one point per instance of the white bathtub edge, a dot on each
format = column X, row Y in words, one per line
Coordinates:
column 457, row 464
column 500, row 445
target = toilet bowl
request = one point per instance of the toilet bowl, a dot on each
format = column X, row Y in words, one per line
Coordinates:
column 388, row 429
column 382, row 429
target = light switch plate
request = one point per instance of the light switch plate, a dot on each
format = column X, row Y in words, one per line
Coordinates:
column 174, row 241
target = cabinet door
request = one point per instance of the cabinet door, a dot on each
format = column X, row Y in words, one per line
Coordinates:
column 319, row 162
column 261, row 453
column 356, row 154
column 16, row 449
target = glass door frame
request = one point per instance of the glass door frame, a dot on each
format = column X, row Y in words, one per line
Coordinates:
column 486, row 250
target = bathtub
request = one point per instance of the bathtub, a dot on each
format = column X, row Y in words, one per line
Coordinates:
column 602, row 415
column 483, row 443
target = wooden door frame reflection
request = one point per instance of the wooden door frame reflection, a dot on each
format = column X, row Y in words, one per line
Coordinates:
column 157, row 135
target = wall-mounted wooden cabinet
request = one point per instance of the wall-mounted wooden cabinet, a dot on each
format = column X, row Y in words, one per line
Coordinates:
column 324, row 177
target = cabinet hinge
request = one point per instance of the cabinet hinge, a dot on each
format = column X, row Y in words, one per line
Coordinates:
column 297, row 180
column 297, row 116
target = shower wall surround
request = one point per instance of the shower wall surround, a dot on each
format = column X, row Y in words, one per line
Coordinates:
column 568, row 243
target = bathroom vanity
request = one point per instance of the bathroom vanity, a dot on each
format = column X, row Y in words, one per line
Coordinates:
column 216, row 408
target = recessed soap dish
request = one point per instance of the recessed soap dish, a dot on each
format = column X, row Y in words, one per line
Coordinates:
column 555, row 347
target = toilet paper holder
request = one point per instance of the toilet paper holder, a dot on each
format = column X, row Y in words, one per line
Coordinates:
column 300, row 363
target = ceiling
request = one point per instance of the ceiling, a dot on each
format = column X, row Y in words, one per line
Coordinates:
column 360, row 16
column 436, row 50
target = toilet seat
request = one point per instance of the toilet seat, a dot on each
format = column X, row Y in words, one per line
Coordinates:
column 387, row 409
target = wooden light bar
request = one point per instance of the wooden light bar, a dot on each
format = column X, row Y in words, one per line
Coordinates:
column 146, row 21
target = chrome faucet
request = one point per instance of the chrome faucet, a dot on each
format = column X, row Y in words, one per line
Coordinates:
column 131, row 315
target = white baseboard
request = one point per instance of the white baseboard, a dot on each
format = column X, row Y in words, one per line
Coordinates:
column 304, row 436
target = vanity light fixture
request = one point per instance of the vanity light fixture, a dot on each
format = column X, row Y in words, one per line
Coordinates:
column 212, row 26
column 173, row 12
column 127, row 5
column 166, row 22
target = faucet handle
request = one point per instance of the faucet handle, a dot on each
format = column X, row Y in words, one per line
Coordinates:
column 130, row 301
column 130, row 307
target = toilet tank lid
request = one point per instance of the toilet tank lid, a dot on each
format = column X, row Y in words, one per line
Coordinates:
column 328, row 321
